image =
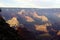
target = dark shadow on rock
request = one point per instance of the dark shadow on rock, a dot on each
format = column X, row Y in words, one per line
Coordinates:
column 6, row 32
column 52, row 30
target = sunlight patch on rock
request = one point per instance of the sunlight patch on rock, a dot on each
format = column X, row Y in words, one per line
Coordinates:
column 42, row 27
column 13, row 22
column 58, row 33
column 29, row 19
column 43, row 18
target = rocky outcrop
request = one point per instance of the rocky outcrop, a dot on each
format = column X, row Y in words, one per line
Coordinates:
column 6, row 32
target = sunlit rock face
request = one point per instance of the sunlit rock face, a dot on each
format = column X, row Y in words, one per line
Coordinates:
column 35, row 15
column 25, row 16
column 58, row 33
column 6, row 32
column 13, row 22
column 43, row 18
column 42, row 27
column 29, row 19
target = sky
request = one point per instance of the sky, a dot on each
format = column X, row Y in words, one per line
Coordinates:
column 30, row 3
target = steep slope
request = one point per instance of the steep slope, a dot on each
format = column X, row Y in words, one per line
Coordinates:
column 6, row 32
